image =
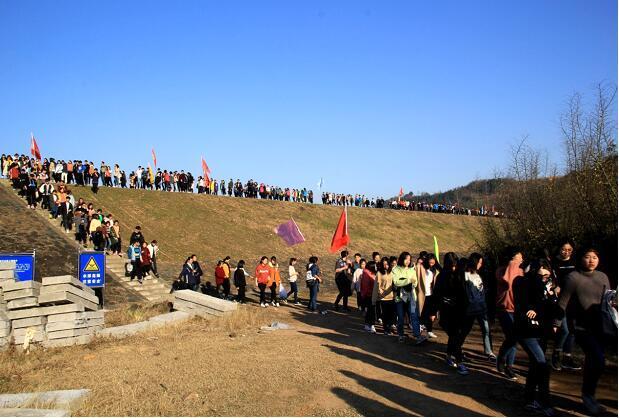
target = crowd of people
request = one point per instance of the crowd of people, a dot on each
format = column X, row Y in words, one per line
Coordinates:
column 542, row 302
column 87, row 173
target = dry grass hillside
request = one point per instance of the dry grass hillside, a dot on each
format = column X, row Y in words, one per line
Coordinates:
column 214, row 227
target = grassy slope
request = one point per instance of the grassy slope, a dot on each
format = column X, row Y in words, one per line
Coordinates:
column 213, row 227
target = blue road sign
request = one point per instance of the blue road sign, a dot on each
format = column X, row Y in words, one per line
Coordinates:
column 91, row 268
column 25, row 262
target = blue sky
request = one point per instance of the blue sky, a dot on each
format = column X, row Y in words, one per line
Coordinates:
column 369, row 95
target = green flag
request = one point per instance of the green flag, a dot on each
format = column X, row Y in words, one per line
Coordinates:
column 436, row 253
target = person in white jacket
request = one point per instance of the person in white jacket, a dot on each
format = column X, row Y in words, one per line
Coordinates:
column 153, row 248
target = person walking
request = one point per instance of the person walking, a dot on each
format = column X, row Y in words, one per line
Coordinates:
column 367, row 283
column 274, row 281
column 476, row 309
column 134, row 255
column 404, row 282
column 450, row 294
column 585, row 298
column 293, row 277
column 342, row 270
column 226, row 270
column 532, row 323
column 505, row 313
column 356, row 282
column 429, row 306
column 312, row 280
column 240, row 280
column 383, row 295
column 153, row 247
column 563, row 264
column 262, row 279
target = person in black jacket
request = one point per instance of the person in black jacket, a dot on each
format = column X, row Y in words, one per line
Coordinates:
column 533, row 302
column 240, row 281
column 136, row 236
column 450, row 295
column 197, row 271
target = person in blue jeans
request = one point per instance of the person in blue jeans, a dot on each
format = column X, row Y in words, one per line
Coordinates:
column 404, row 282
column 505, row 313
column 476, row 307
column 313, row 280
column 532, row 326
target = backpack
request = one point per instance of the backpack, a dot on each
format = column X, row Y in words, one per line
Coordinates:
column 609, row 313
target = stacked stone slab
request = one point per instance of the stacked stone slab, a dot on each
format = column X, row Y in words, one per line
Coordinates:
column 65, row 312
column 7, row 276
column 202, row 305
column 71, row 327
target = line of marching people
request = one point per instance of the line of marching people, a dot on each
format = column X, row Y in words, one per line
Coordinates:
column 539, row 302
column 542, row 302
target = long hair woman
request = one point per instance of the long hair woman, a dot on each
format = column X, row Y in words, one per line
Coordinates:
column 450, row 294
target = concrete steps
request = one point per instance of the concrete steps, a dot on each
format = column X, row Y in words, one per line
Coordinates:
column 152, row 289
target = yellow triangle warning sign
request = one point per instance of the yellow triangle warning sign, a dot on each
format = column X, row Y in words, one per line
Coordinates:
column 91, row 265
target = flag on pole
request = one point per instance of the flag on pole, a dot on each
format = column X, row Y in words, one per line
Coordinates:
column 34, row 148
column 206, row 171
column 320, row 183
column 340, row 237
column 436, row 252
column 401, row 193
column 154, row 157
column 290, row 233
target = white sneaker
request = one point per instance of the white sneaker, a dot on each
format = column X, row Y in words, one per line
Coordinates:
column 263, row 305
column 380, row 321
column 273, row 303
column 277, row 304
column 432, row 335
column 372, row 329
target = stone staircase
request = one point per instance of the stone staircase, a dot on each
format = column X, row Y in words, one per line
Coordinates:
column 152, row 288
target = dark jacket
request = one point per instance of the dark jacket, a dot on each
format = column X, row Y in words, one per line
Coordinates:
column 450, row 296
column 530, row 295
column 136, row 237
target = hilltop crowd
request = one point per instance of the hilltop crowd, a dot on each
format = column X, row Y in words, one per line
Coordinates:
column 87, row 173
column 541, row 302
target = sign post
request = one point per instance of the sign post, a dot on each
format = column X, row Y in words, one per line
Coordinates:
column 24, row 264
column 91, row 271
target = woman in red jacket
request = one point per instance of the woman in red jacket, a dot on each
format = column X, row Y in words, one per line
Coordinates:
column 220, row 276
column 263, row 276
column 366, row 288
column 145, row 261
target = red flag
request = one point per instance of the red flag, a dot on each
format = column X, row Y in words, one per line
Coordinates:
column 154, row 157
column 340, row 237
column 206, row 171
column 401, row 191
column 34, row 148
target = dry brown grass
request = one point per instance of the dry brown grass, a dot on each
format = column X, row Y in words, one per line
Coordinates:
column 130, row 313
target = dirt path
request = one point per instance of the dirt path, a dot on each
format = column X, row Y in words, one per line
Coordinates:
column 326, row 365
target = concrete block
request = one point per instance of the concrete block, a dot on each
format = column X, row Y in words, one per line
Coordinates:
column 56, row 398
column 18, row 294
column 33, row 412
column 192, row 308
column 28, row 284
column 66, row 342
column 20, row 332
column 205, row 300
column 66, row 297
column 72, row 316
column 79, row 323
column 54, row 280
column 71, row 333
column 45, row 311
column 70, row 289
column 125, row 330
column 29, row 322
column 8, row 265
column 4, row 333
column 22, row 303
column 4, row 282
column 7, row 274
column 37, row 338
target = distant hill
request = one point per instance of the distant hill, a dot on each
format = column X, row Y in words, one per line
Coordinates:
column 473, row 195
